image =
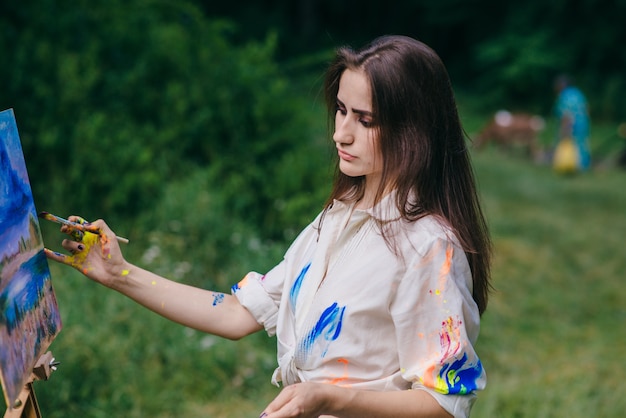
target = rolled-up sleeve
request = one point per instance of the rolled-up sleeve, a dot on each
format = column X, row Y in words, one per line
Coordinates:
column 260, row 294
column 437, row 322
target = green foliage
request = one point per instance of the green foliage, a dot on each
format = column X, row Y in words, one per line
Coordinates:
column 506, row 52
column 118, row 98
column 197, row 232
column 194, row 235
column 115, row 99
column 520, row 50
column 514, row 67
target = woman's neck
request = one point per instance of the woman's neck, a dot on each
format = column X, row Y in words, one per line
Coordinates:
column 369, row 196
column 363, row 204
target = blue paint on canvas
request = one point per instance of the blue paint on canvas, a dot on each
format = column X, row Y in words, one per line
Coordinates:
column 29, row 316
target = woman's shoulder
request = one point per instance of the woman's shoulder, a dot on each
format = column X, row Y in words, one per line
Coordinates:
column 428, row 224
column 309, row 235
column 424, row 232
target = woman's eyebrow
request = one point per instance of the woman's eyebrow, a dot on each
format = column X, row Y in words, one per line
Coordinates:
column 357, row 111
column 362, row 112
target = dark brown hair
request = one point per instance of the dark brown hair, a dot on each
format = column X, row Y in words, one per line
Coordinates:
column 422, row 142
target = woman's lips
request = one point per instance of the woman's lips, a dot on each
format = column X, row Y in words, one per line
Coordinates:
column 345, row 156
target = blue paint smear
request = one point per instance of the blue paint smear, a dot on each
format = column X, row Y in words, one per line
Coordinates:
column 295, row 289
column 328, row 327
column 218, row 298
column 461, row 380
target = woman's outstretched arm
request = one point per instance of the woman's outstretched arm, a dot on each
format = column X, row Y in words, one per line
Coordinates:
column 98, row 256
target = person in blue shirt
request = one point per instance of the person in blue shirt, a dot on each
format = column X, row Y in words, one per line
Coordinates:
column 572, row 111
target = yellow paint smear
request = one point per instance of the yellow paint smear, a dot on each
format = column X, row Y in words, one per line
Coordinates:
column 78, row 260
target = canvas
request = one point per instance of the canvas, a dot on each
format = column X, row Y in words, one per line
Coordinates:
column 29, row 315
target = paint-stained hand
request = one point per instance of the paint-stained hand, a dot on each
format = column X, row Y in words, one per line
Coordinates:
column 96, row 255
column 302, row 400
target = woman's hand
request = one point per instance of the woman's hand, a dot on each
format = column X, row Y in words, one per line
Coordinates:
column 96, row 255
column 313, row 400
column 302, row 400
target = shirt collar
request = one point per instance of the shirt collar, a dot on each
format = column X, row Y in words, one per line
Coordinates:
column 384, row 211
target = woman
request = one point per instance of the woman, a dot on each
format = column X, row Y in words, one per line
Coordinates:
column 376, row 305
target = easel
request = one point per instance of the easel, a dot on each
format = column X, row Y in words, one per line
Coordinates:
column 26, row 405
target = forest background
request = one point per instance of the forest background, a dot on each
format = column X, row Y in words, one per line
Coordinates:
column 197, row 130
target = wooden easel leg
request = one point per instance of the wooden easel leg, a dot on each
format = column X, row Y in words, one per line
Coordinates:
column 31, row 409
column 26, row 405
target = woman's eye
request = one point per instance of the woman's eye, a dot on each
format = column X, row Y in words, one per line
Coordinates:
column 366, row 123
column 340, row 108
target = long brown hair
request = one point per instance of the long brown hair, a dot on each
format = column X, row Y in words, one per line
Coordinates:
column 422, row 143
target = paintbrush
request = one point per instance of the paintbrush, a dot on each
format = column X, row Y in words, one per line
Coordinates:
column 75, row 226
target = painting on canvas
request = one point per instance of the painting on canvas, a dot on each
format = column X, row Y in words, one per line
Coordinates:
column 29, row 315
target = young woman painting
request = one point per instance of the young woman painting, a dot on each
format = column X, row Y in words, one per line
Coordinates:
column 376, row 305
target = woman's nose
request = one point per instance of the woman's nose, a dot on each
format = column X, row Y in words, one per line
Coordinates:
column 343, row 133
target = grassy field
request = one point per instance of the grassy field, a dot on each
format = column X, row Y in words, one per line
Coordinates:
column 553, row 339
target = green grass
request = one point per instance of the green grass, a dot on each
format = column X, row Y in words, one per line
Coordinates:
column 553, row 338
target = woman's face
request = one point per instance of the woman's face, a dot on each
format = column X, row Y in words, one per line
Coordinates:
column 355, row 129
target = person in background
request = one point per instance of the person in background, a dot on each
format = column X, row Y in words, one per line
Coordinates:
column 572, row 112
column 376, row 305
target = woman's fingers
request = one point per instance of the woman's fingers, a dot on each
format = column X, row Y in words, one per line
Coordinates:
column 77, row 219
column 55, row 256
column 69, row 260
column 72, row 246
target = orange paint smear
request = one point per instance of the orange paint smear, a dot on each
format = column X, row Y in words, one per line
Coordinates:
column 444, row 271
column 338, row 380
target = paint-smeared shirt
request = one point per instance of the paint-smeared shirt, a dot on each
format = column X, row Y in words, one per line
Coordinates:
column 348, row 311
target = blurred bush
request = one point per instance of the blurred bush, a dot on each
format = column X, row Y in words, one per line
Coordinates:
column 115, row 99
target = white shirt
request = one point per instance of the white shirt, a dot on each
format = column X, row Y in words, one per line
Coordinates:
column 347, row 311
